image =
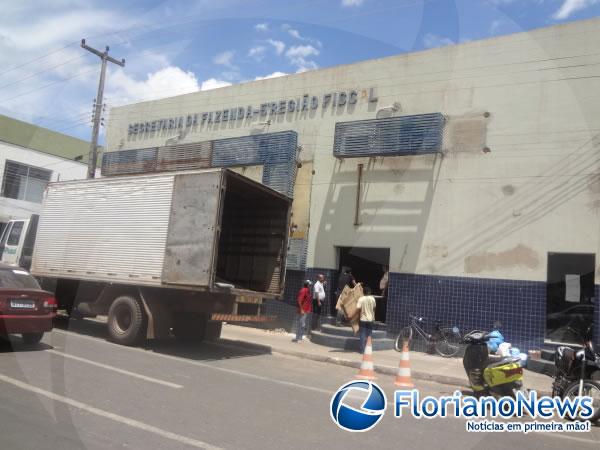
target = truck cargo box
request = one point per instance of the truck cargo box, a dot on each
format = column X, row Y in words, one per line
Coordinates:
column 203, row 229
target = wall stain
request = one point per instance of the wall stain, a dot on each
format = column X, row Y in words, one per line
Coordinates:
column 433, row 251
column 508, row 189
column 521, row 255
column 593, row 183
column 594, row 206
column 593, row 187
column 466, row 133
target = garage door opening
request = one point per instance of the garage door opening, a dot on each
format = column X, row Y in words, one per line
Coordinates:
column 368, row 265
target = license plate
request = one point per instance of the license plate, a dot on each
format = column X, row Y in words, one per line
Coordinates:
column 22, row 304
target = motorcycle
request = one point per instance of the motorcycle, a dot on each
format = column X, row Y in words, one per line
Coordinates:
column 495, row 375
column 577, row 372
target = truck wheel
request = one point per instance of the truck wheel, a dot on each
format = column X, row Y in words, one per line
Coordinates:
column 126, row 320
column 32, row 338
column 190, row 327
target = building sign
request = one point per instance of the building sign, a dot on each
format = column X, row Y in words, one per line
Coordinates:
column 302, row 104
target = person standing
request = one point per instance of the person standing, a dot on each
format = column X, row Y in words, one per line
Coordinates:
column 366, row 305
column 383, row 283
column 304, row 301
column 318, row 300
column 383, row 287
column 346, row 279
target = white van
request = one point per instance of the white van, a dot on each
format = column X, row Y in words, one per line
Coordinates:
column 17, row 240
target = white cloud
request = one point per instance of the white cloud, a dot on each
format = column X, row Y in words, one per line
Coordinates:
column 213, row 83
column 296, row 34
column 225, row 59
column 271, row 75
column 352, row 2
column 571, row 6
column 58, row 28
column 433, row 40
column 277, row 45
column 261, row 27
column 301, row 51
column 52, row 81
column 298, row 56
column 165, row 82
column 257, row 53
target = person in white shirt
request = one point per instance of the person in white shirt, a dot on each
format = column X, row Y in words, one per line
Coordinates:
column 366, row 305
column 318, row 300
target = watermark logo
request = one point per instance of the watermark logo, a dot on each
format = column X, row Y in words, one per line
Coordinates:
column 364, row 417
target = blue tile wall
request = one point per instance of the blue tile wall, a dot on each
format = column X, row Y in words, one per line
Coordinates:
column 471, row 303
column 285, row 309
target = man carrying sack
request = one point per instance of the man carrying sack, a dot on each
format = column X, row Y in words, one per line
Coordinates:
column 346, row 305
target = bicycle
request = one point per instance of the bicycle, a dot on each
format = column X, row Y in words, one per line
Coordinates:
column 445, row 340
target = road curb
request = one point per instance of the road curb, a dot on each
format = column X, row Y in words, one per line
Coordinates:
column 384, row 370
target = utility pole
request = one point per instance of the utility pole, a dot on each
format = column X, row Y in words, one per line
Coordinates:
column 98, row 106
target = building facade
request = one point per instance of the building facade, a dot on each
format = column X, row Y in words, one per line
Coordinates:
column 471, row 171
column 31, row 157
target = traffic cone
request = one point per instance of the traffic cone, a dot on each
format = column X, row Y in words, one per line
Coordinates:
column 403, row 378
column 367, row 370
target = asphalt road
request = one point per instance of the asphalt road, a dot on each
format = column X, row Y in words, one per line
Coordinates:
column 78, row 391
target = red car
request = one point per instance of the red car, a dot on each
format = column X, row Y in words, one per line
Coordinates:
column 25, row 308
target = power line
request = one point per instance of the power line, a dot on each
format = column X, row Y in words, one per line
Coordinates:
column 47, row 85
column 41, row 72
column 38, row 58
column 398, row 80
column 75, row 125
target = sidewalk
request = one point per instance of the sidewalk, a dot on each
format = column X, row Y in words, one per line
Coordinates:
column 423, row 366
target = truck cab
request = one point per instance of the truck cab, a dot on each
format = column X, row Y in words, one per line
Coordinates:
column 17, row 240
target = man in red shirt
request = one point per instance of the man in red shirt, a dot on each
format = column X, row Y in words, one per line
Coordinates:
column 304, row 301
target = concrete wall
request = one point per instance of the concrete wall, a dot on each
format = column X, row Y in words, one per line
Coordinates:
column 62, row 169
column 519, row 175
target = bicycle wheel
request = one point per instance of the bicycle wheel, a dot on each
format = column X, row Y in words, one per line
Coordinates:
column 405, row 334
column 448, row 343
column 590, row 389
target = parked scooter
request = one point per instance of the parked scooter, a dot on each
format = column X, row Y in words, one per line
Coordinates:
column 499, row 376
column 577, row 372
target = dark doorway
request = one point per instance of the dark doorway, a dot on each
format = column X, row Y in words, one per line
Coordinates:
column 368, row 268
column 569, row 295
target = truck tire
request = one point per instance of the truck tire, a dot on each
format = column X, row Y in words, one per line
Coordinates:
column 190, row 327
column 32, row 338
column 126, row 320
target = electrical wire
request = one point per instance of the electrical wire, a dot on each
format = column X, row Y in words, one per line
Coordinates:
column 41, row 72
column 397, row 81
column 38, row 58
column 48, row 85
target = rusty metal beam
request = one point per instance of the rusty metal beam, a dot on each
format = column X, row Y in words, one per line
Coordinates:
column 358, row 193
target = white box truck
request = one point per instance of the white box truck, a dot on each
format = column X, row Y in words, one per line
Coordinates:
column 162, row 254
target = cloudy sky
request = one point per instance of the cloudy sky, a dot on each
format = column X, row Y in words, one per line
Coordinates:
column 179, row 46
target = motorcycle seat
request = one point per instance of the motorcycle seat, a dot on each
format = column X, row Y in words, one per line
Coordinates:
column 498, row 360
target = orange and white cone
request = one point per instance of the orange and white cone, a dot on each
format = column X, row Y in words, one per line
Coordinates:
column 367, row 370
column 403, row 378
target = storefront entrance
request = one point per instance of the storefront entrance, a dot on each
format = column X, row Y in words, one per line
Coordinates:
column 569, row 295
column 368, row 266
